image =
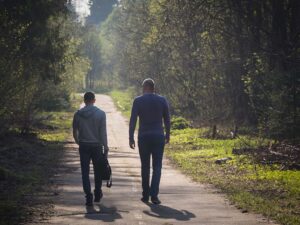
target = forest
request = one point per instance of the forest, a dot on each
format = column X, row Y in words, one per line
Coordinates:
column 40, row 62
column 229, row 69
column 220, row 63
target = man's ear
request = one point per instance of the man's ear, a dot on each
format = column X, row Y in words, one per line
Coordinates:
column 94, row 100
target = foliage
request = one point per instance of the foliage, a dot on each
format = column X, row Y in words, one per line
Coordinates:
column 218, row 62
column 41, row 60
column 99, row 11
column 27, row 164
column 91, row 48
column 179, row 123
column 123, row 100
column 254, row 187
column 250, row 184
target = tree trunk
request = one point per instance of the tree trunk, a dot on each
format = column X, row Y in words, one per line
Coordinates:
column 214, row 131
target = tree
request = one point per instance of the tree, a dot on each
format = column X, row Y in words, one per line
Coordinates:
column 232, row 63
column 40, row 49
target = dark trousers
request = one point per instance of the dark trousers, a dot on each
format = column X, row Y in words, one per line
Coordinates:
column 151, row 145
column 88, row 153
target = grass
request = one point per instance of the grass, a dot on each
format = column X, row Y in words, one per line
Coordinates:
column 253, row 187
column 123, row 100
column 58, row 126
column 249, row 185
column 28, row 162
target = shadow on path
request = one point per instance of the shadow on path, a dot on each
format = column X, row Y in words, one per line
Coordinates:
column 105, row 214
column 165, row 212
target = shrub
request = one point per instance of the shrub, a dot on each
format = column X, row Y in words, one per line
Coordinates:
column 179, row 123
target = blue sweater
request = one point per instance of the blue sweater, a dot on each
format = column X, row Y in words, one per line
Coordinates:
column 151, row 110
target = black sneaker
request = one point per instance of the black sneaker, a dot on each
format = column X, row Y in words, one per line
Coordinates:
column 145, row 199
column 89, row 200
column 98, row 196
column 155, row 200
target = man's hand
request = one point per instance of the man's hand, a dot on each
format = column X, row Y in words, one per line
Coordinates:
column 106, row 149
column 132, row 144
column 75, row 136
column 167, row 140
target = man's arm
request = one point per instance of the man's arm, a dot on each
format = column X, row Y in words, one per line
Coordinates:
column 132, row 124
column 103, row 134
column 75, row 129
column 167, row 123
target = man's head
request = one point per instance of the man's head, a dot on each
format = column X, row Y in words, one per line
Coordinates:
column 148, row 85
column 89, row 98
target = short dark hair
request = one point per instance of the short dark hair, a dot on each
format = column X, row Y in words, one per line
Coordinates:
column 89, row 96
column 149, row 83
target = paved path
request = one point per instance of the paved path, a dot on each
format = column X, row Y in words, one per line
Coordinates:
column 183, row 202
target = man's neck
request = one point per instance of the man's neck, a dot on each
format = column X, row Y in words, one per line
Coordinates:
column 148, row 92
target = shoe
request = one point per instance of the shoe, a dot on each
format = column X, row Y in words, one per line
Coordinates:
column 145, row 199
column 155, row 200
column 98, row 196
column 89, row 200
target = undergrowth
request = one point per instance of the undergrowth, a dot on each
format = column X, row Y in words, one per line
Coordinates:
column 251, row 186
column 27, row 163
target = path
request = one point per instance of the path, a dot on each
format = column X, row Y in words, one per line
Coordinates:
column 183, row 201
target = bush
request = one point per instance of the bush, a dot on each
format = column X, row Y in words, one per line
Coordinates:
column 179, row 123
column 53, row 98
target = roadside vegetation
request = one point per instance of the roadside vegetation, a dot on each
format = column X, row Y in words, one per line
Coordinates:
column 229, row 71
column 41, row 65
column 253, row 178
column 228, row 68
column 219, row 63
column 123, row 100
column 27, row 164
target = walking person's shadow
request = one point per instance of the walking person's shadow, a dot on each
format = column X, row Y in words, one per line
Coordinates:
column 165, row 212
column 106, row 214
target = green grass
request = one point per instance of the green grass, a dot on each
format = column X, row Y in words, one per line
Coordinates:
column 254, row 187
column 28, row 162
column 59, row 124
column 123, row 100
column 250, row 186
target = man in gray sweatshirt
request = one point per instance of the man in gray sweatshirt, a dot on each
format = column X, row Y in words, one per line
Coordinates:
column 89, row 132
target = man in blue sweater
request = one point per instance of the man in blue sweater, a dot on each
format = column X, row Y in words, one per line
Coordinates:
column 89, row 132
column 151, row 109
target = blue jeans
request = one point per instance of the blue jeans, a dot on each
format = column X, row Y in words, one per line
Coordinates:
column 88, row 153
column 151, row 145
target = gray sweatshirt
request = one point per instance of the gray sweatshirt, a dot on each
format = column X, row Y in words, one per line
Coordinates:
column 89, row 123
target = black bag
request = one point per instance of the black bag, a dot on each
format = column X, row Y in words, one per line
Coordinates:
column 105, row 171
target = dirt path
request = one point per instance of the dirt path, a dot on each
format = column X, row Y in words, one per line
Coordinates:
column 182, row 200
